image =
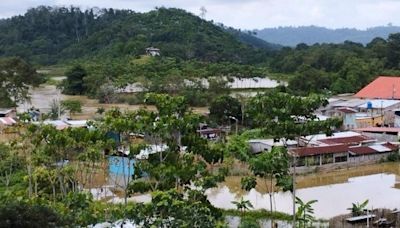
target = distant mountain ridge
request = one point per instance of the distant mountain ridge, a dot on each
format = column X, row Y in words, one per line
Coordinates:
column 291, row 36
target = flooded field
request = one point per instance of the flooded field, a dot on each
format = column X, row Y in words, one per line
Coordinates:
column 248, row 83
column 335, row 191
column 42, row 96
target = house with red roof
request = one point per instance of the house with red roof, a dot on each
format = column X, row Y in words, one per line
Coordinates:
column 383, row 87
column 342, row 149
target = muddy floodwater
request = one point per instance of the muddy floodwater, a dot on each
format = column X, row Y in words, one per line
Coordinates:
column 335, row 191
column 42, row 96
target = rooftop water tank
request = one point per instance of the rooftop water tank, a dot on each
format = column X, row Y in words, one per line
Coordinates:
column 369, row 105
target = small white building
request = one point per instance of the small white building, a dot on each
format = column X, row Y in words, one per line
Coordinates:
column 62, row 124
column 152, row 51
column 266, row 145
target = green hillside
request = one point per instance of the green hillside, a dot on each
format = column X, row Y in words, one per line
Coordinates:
column 46, row 35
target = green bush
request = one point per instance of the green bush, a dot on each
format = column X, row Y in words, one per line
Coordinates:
column 19, row 214
column 248, row 222
column 393, row 157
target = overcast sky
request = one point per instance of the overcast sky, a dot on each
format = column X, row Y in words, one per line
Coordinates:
column 249, row 14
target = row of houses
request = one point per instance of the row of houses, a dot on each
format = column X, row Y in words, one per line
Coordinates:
column 342, row 148
column 375, row 105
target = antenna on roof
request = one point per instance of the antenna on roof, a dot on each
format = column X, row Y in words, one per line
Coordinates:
column 393, row 91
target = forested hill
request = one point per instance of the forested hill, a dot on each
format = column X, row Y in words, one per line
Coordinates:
column 47, row 35
column 291, row 36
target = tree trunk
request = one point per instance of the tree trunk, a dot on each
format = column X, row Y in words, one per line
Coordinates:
column 270, row 194
column 30, row 180
column 54, row 191
column 36, row 187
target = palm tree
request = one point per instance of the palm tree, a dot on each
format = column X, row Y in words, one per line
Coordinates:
column 357, row 208
column 243, row 205
column 305, row 212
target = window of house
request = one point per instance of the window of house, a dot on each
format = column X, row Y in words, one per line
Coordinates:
column 341, row 159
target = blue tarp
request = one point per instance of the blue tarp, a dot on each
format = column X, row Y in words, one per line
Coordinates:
column 121, row 165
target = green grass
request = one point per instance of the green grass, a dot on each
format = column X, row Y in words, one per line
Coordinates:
column 258, row 214
column 144, row 59
column 263, row 214
column 50, row 81
column 280, row 76
column 53, row 71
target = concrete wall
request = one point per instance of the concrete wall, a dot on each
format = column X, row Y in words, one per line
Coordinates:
column 369, row 121
column 257, row 147
column 349, row 121
column 367, row 158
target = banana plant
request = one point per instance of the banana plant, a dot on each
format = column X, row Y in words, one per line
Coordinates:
column 242, row 205
column 358, row 208
column 305, row 212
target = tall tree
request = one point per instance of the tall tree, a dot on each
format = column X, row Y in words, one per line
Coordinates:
column 73, row 106
column 16, row 76
column 224, row 108
column 74, row 84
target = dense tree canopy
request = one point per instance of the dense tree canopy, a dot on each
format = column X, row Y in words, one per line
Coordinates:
column 16, row 76
column 49, row 35
column 225, row 108
column 73, row 84
column 338, row 68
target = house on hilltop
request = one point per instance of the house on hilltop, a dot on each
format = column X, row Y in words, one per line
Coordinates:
column 152, row 51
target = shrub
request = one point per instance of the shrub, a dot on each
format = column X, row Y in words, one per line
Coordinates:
column 248, row 222
column 393, row 157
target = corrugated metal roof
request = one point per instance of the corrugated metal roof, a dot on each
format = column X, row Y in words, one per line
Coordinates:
column 352, row 103
column 5, row 111
column 271, row 142
column 7, row 121
column 361, row 150
column 379, row 129
column 58, row 124
column 380, row 148
column 383, row 87
column 347, row 110
column 308, row 151
column 76, row 123
column 379, row 103
column 343, row 148
column 335, row 135
column 346, row 140
column 391, row 145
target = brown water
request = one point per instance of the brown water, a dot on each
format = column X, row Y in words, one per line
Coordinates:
column 335, row 191
column 42, row 97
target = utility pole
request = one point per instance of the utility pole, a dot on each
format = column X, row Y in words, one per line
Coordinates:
column 294, row 189
column 236, row 123
column 59, row 104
